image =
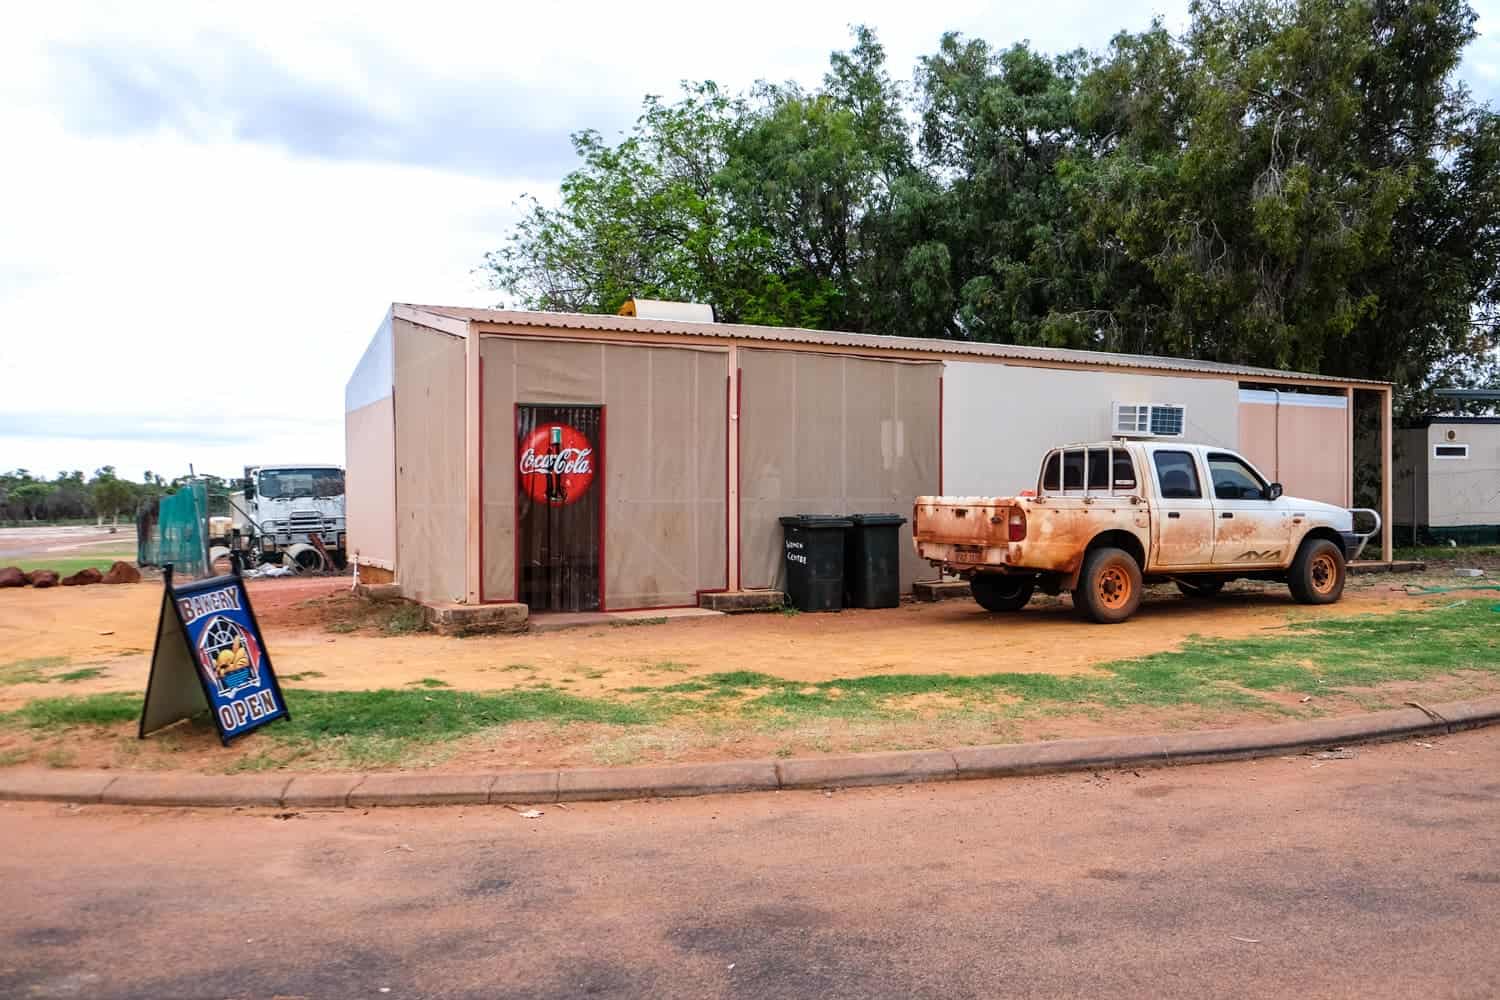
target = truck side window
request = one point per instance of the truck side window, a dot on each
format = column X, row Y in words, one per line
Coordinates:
column 1124, row 474
column 1233, row 479
column 1099, row 469
column 1072, row 470
column 1178, row 475
column 1052, row 472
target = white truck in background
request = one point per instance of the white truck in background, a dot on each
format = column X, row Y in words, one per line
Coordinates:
column 1108, row 517
column 285, row 513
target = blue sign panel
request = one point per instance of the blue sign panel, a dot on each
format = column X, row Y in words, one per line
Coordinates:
column 223, row 645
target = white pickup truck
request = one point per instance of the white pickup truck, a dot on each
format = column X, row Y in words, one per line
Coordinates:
column 1107, row 518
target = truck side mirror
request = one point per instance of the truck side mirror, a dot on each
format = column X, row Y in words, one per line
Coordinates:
column 249, row 489
column 1274, row 491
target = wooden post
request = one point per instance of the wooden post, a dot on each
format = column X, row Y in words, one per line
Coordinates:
column 472, row 471
column 1387, row 463
column 1349, row 427
column 732, row 496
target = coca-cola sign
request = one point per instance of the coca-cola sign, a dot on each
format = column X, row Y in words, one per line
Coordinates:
column 556, row 464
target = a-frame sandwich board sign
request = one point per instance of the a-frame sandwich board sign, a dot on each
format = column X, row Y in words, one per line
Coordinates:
column 209, row 654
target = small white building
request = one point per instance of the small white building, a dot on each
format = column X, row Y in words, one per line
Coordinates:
column 1448, row 480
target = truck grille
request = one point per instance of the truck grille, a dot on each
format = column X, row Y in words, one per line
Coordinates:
column 307, row 521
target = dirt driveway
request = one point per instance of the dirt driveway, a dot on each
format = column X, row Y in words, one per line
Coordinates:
column 111, row 629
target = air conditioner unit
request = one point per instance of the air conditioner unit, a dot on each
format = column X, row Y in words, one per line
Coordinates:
column 1148, row 420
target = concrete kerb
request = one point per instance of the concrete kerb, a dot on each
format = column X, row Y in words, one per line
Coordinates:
column 905, row 767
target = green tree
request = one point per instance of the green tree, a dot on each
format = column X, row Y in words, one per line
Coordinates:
column 111, row 494
column 1306, row 185
column 1290, row 183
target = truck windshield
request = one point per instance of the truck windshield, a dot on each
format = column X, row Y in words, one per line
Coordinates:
column 287, row 484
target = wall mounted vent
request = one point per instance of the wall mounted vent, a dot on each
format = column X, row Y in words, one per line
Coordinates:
column 1148, row 420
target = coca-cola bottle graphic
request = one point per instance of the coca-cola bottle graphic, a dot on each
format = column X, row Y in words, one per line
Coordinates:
column 556, row 491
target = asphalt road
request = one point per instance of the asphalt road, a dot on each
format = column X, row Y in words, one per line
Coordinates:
column 1376, row 876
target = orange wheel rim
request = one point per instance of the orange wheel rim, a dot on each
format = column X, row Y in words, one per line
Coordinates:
column 1114, row 588
column 1325, row 573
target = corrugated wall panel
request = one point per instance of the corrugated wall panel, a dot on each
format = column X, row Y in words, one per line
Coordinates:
column 832, row 435
column 431, row 502
column 665, row 461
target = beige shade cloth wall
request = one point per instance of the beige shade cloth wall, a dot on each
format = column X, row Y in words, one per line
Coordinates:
column 1300, row 440
column 370, row 482
column 431, row 491
column 828, row 434
column 665, row 461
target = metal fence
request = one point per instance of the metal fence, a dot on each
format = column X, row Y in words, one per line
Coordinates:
column 171, row 530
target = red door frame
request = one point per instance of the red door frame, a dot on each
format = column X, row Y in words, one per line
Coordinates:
column 601, row 475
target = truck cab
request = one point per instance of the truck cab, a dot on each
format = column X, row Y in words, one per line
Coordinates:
column 291, row 511
column 1108, row 517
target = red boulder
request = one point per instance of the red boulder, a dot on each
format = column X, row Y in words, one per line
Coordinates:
column 122, row 572
column 83, row 578
column 40, row 578
column 11, row 576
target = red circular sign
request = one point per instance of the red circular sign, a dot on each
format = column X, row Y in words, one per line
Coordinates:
column 556, row 464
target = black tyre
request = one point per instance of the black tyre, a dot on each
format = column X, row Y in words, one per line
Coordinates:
column 1109, row 588
column 998, row 592
column 1317, row 575
column 1206, row 586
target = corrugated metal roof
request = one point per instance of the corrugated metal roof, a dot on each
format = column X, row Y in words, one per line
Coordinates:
column 869, row 341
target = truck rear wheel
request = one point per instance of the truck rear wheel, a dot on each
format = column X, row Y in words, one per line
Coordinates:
column 998, row 592
column 1317, row 574
column 1109, row 588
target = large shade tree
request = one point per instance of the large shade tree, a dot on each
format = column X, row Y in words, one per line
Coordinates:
column 1290, row 183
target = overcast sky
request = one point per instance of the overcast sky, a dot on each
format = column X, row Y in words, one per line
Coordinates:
column 207, row 208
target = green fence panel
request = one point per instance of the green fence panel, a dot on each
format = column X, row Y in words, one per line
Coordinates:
column 173, row 532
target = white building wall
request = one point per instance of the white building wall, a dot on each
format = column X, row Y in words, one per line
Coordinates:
column 370, row 454
column 999, row 420
column 1463, row 492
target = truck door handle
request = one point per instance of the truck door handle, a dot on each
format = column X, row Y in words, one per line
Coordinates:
column 1226, row 514
column 1173, row 514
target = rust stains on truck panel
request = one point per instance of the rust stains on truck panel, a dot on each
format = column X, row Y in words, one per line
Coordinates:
column 982, row 523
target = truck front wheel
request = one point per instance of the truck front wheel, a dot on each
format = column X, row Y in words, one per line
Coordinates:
column 998, row 592
column 1317, row 575
column 1109, row 588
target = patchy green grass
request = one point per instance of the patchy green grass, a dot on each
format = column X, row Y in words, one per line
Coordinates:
column 1313, row 657
column 428, row 682
column 29, row 671
column 303, row 676
column 635, row 622
column 100, row 558
column 65, row 712
column 81, row 674
column 1448, row 553
column 407, row 619
column 349, row 613
column 1350, row 656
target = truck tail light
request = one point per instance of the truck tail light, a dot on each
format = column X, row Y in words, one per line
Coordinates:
column 1016, row 525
